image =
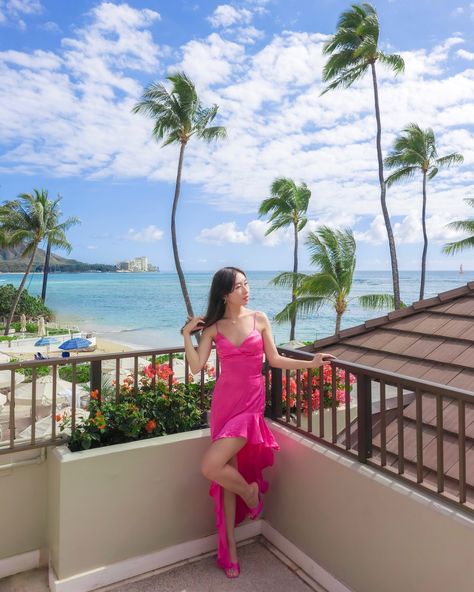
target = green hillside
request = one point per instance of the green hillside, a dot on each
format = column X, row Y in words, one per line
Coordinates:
column 10, row 261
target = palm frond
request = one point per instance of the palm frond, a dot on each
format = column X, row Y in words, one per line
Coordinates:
column 394, row 61
column 376, row 301
column 286, row 279
column 211, row 134
column 299, row 308
column 402, row 173
column 458, row 246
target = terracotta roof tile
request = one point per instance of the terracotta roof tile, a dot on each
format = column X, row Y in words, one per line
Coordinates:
column 463, row 380
column 463, row 328
column 466, row 358
column 440, row 373
column 423, row 346
column 447, row 352
column 372, row 340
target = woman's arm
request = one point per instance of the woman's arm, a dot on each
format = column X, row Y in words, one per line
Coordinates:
column 277, row 361
column 197, row 358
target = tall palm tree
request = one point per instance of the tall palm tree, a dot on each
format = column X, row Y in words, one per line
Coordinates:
column 56, row 238
column 334, row 253
column 415, row 151
column 288, row 205
column 354, row 51
column 179, row 115
column 27, row 221
column 466, row 226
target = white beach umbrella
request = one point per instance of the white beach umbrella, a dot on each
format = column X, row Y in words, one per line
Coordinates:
column 23, row 323
column 41, row 327
column 5, row 378
column 43, row 426
column 44, row 391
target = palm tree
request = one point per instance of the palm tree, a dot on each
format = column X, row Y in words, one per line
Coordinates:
column 288, row 205
column 178, row 115
column 56, row 238
column 334, row 253
column 27, row 221
column 415, row 150
column 354, row 50
column 466, row 226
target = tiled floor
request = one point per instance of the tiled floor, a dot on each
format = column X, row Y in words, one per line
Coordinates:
column 262, row 568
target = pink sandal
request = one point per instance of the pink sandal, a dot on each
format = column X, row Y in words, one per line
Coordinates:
column 232, row 566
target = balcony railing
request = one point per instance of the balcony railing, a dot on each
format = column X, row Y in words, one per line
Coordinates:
column 408, row 428
column 78, row 396
column 371, row 427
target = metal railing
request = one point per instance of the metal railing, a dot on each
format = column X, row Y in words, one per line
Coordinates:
column 12, row 443
column 357, row 428
column 373, row 431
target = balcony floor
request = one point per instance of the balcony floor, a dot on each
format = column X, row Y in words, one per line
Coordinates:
column 262, row 565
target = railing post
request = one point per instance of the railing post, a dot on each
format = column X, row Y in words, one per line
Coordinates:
column 276, row 393
column 364, row 417
column 96, row 376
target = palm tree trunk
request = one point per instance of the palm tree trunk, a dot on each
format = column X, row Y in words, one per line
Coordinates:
column 20, row 290
column 177, row 263
column 338, row 322
column 46, row 271
column 383, row 189
column 293, row 293
column 425, row 239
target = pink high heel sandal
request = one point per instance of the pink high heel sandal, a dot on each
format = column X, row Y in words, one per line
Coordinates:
column 254, row 512
column 232, row 566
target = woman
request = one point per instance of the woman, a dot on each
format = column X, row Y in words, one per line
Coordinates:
column 242, row 444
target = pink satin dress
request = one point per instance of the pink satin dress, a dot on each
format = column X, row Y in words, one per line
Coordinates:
column 237, row 409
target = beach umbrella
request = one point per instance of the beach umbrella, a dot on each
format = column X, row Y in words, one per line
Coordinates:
column 46, row 341
column 75, row 343
column 23, row 323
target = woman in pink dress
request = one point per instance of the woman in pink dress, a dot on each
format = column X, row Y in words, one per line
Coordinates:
column 242, row 444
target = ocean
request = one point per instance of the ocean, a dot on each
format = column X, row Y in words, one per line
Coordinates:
column 147, row 309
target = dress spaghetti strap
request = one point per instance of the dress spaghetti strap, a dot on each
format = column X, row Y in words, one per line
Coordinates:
column 254, row 319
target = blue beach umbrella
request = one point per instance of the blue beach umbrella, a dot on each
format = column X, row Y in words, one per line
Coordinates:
column 46, row 341
column 75, row 343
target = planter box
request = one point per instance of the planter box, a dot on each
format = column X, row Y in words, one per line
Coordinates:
column 110, row 504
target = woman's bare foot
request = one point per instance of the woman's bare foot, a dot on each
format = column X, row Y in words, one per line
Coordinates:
column 252, row 499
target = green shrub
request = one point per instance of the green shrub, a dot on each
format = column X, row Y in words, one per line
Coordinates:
column 82, row 373
column 30, row 306
column 139, row 413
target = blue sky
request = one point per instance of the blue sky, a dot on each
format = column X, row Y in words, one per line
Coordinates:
column 72, row 71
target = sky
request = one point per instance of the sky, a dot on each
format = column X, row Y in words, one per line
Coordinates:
column 71, row 73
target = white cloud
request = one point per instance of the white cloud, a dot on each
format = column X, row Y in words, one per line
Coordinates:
column 12, row 10
column 78, row 101
column 467, row 55
column 50, row 27
column 253, row 233
column 226, row 15
column 150, row 234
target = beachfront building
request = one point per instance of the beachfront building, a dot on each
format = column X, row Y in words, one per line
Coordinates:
column 138, row 264
column 375, row 494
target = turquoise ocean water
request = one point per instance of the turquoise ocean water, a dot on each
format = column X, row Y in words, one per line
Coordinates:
column 148, row 309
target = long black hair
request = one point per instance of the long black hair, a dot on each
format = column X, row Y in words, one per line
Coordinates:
column 223, row 283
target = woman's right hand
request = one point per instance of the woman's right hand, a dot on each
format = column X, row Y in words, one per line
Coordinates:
column 192, row 325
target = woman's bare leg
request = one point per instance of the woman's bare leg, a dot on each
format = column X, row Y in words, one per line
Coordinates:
column 229, row 509
column 215, row 466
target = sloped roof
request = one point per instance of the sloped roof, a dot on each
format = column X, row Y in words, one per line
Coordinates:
column 433, row 339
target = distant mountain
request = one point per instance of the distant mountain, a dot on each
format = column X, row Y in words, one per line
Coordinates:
column 11, row 261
